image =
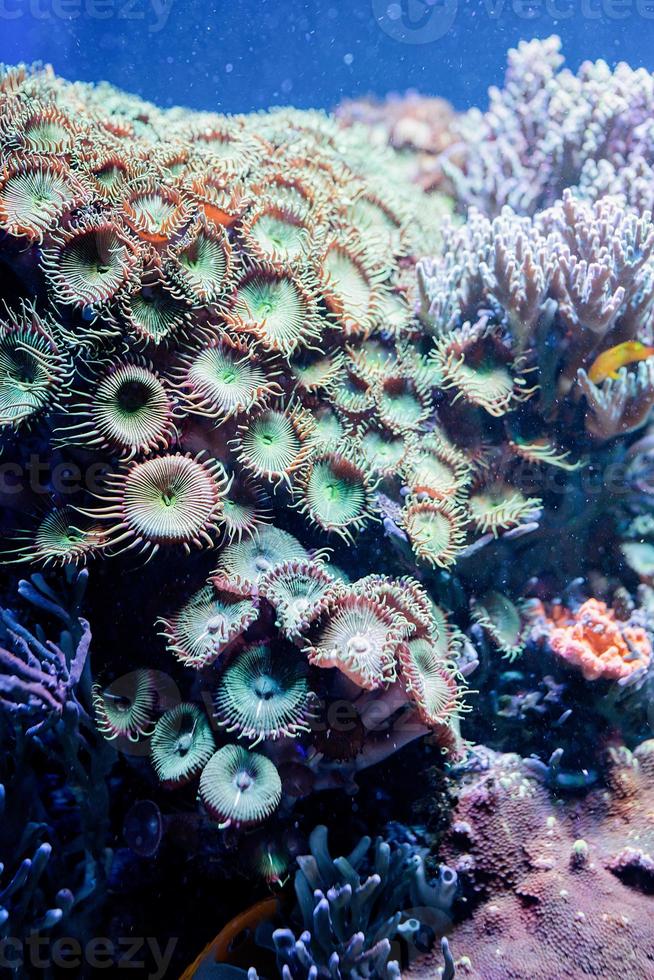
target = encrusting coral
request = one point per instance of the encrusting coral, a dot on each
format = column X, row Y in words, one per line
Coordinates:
column 594, row 640
column 558, row 888
column 48, row 876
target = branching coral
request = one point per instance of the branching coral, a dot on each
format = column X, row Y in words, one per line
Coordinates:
column 54, row 768
column 353, row 909
column 38, row 677
column 548, row 129
column 21, row 895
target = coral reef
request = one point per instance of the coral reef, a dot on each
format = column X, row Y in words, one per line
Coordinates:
column 211, row 301
column 323, row 454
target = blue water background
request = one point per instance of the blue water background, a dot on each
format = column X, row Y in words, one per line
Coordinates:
column 242, row 55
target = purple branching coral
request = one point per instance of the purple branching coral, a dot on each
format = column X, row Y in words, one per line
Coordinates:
column 565, row 286
column 37, row 676
column 549, row 129
column 54, row 765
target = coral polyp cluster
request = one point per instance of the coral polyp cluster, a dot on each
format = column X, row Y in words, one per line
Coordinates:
column 225, row 282
column 218, row 314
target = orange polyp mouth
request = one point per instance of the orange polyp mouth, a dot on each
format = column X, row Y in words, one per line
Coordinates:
column 154, row 238
column 218, row 216
column 344, row 469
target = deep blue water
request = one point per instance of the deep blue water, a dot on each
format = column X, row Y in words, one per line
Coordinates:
column 240, row 55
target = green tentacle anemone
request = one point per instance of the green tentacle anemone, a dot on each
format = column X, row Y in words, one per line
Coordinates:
column 352, row 394
column 181, row 745
column 125, row 709
column 43, row 129
column 299, row 591
column 328, row 432
column 202, row 262
column 430, row 682
column 128, row 410
column 199, row 632
column 276, row 232
column 402, row 404
column 62, row 537
column 315, row 370
column 360, row 637
column 337, row 493
column 475, row 363
column 447, row 638
column 166, row 500
column 221, row 381
column 262, row 695
column 34, row 373
column 153, row 315
column 245, row 509
column 500, row 507
column 500, row 618
column 435, row 468
column 280, row 310
column 34, row 194
column 247, row 561
column 350, row 287
column 374, row 358
column 384, row 452
column 270, row 860
column 436, row 529
column 90, row 262
column 155, row 212
column 404, row 597
column 275, row 443
column 240, row 788
column 375, row 221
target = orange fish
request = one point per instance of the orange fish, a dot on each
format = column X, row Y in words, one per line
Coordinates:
column 609, row 361
column 219, row 949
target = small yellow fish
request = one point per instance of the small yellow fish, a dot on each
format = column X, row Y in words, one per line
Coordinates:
column 609, row 361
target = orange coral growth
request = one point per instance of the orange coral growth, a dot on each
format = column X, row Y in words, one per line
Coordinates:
column 594, row 640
